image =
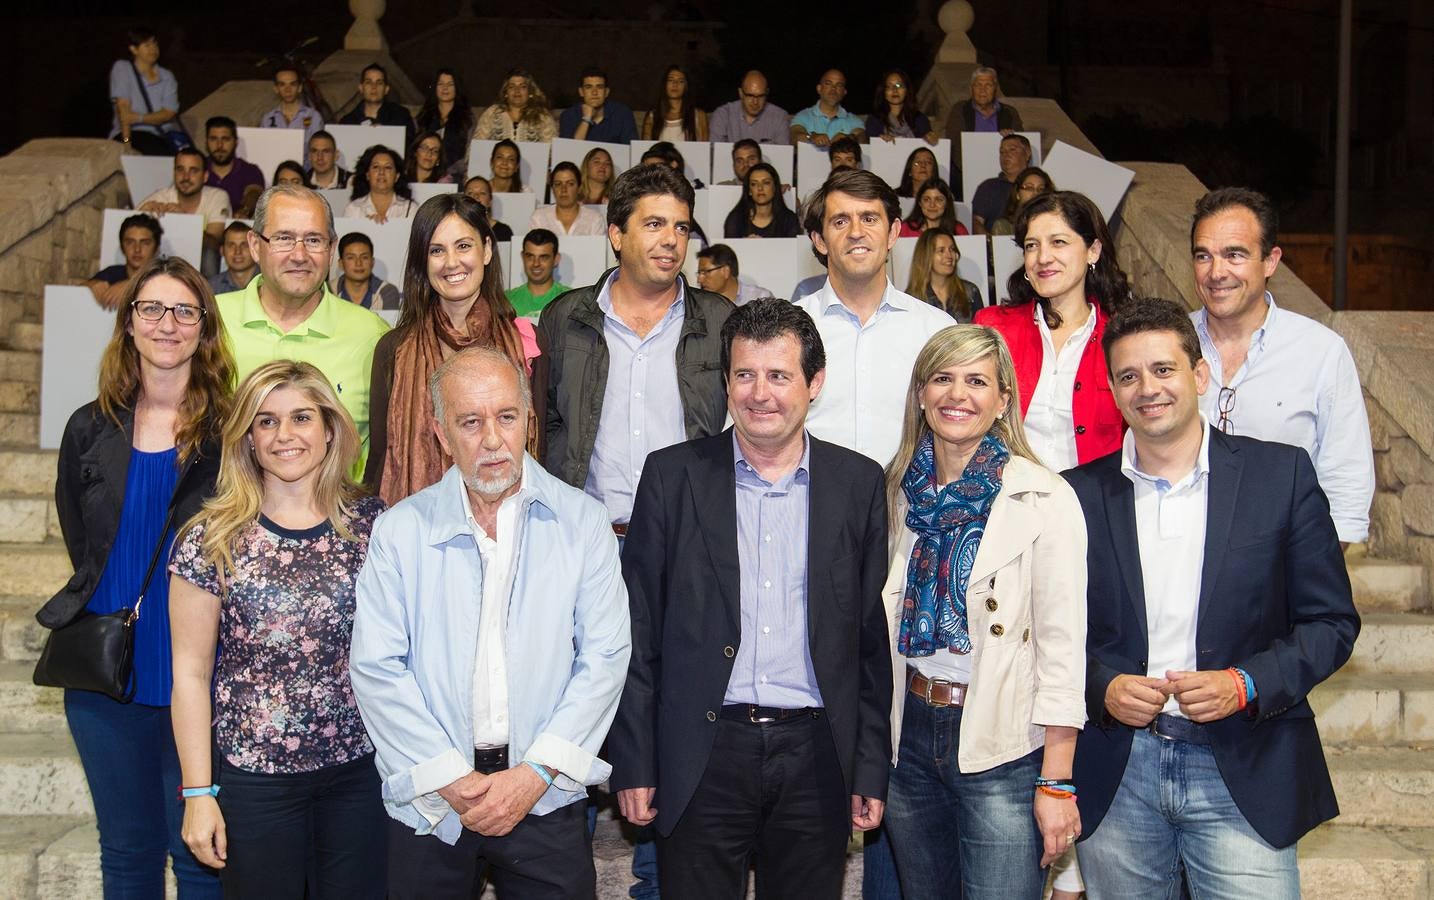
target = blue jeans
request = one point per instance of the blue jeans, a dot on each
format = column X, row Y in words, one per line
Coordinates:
column 958, row 834
column 127, row 750
column 1172, row 807
column 878, row 868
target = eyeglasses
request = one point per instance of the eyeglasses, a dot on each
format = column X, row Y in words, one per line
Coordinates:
column 1226, row 404
column 709, row 271
column 284, row 242
column 153, row 311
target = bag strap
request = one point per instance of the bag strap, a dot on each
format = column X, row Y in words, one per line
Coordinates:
column 139, row 80
column 158, row 549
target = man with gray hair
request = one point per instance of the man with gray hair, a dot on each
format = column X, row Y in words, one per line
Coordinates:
column 288, row 312
column 983, row 112
column 490, row 644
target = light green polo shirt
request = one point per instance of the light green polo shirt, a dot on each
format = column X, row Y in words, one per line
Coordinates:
column 338, row 338
column 525, row 304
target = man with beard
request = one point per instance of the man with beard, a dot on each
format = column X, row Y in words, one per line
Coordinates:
column 240, row 179
column 189, row 194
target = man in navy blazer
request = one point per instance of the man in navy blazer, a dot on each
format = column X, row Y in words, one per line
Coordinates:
column 754, row 725
column 1218, row 598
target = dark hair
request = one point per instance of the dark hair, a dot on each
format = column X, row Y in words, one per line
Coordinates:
column 721, row 255
column 354, row 237
column 360, row 178
column 460, row 119
column 289, row 165
column 845, row 145
column 139, row 34
column 283, row 67
column 906, row 188
column 1148, row 314
column 214, row 122
column 593, row 72
column 1018, row 138
column 668, row 153
column 540, row 237
column 645, row 181
column 191, row 150
column 768, row 319
column 1012, row 204
column 686, row 112
column 917, row 219
column 410, row 172
column 1221, row 199
column 747, row 142
column 374, row 67
column 517, row 184
column 142, row 220
column 1105, row 282
column 237, row 226
column 882, row 110
column 858, row 183
column 418, row 295
column 473, row 178
column 563, row 166
column 741, row 215
column 321, row 133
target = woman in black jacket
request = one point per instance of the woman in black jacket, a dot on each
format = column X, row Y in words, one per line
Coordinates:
column 149, row 442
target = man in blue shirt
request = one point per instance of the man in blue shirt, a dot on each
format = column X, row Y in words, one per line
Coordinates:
column 827, row 120
column 597, row 118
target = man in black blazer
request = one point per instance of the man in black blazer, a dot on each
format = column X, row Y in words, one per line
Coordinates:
column 754, row 725
column 1218, row 598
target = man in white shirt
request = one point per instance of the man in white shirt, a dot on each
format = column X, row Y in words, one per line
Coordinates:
column 189, row 194
column 872, row 332
column 1277, row 375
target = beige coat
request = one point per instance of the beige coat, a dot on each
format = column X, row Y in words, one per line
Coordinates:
column 1026, row 609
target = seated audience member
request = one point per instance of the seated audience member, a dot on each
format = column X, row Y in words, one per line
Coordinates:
column 373, row 107
column 845, row 152
column 1030, row 182
column 292, row 112
column 984, row 112
column 239, row 263
column 920, row 167
column 239, row 178
column 481, row 189
column 356, row 282
column 266, row 570
column 379, row 193
column 993, row 194
column 447, row 113
column 808, row 286
column 597, row 176
column 718, row 272
column 290, row 172
column 597, row 118
column 145, row 96
column 506, row 163
column 189, row 194
column 522, row 112
column 427, row 161
column 567, row 214
column 894, row 113
column 325, row 174
column 664, row 153
column 933, row 276
column 540, row 261
column 746, row 153
column 674, row 117
column 139, row 236
column 761, row 211
column 827, row 120
column 935, row 208
column 750, row 116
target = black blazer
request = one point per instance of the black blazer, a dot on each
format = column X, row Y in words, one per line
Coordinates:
column 682, row 571
column 1275, row 600
column 89, row 495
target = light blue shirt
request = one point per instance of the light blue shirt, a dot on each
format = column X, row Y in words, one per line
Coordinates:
column 817, row 122
column 412, row 660
column 773, row 666
column 641, row 405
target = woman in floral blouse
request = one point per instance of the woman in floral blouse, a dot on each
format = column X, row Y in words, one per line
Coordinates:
column 266, row 572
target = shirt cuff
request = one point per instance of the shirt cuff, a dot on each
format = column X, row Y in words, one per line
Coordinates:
column 432, row 807
column 439, row 772
column 577, row 768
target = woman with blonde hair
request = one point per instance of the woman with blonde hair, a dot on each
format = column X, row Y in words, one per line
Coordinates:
column 134, row 462
column 933, row 276
column 597, row 177
column 522, row 112
column 267, row 570
column 985, row 601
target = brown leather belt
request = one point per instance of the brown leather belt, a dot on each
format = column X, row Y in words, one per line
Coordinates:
column 619, row 529
column 937, row 691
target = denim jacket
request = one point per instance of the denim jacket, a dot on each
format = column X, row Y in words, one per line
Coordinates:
column 416, row 632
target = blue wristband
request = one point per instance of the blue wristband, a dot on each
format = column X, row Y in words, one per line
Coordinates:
column 542, row 771
column 1249, row 685
column 186, row 793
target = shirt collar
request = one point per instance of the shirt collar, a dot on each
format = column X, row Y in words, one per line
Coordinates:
column 892, row 299
column 323, row 321
column 1257, row 339
column 1130, row 466
column 520, row 497
column 803, row 469
column 604, row 298
column 1084, row 332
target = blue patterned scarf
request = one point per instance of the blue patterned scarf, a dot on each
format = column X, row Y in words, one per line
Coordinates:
column 948, row 525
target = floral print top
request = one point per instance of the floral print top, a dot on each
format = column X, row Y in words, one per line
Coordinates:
column 283, row 702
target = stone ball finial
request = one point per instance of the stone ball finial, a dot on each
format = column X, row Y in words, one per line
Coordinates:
column 365, row 33
column 956, row 17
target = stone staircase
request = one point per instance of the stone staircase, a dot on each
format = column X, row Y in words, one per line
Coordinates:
column 1376, row 715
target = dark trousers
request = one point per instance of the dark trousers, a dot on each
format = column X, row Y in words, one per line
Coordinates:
column 280, row 827
column 773, row 795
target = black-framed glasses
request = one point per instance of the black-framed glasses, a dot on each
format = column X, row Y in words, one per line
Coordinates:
column 283, row 242
column 709, row 271
column 153, row 311
column 1226, row 403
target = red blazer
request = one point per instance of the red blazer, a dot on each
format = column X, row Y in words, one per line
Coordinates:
column 1099, row 427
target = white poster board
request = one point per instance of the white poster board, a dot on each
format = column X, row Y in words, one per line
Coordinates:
column 1006, row 257
column 390, row 245
column 775, row 263
column 696, row 158
column 532, row 162
column 981, row 157
column 779, row 156
column 422, row 192
column 713, row 204
column 1104, row 182
column 573, row 151
column 267, row 147
column 353, row 140
column 514, row 210
column 583, row 259
column 889, row 160
column 146, row 174
column 70, row 356
column 973, row 264
column 183, row 236
column 813, row 167
column 337, row 199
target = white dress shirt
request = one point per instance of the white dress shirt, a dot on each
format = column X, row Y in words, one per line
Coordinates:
column 1170, row 528
column 588, row 222
column 1050, row 419
column 400, row 208
column 1299, row 386
column 868, row 368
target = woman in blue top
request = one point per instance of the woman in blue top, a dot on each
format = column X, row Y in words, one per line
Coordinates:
column 145, row 97
column 149, row 441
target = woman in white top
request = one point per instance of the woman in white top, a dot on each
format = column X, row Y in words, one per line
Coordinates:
column 673, row 117
column 521, row 113
column 379, row 193
column 567, row 215
column 986, row 604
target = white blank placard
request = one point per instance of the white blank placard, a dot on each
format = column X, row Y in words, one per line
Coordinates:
column 813, row 167
column 532, row 162
column 973, row 265
column 696, row 158
column 1073, row 169
column 714, row 204
column 889, row 160
column 898, row 263
column 569, row 150
column 964, row 216
column 584, row 258
column 779, row 156
column 981, row 157
column 390, row 245
column 907, row 205
column 267, row 147
column 514, row 210
column 388, row 315
column 353, row 140
column 183, row 236
column 337, row 199
column 1006, row 257
column 70, row 356
column 775, row 263
column 422, row 192
column 146, row 174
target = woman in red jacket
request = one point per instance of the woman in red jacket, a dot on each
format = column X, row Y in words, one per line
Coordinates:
column 1060, row 300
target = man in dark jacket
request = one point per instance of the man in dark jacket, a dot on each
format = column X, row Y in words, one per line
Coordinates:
column 983, row 112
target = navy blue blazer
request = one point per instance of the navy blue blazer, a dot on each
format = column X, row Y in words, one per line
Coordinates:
column 1275, row 600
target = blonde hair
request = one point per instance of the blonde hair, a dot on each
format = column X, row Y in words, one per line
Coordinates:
column 956, row 345
column 918, row 283
column 239, row 493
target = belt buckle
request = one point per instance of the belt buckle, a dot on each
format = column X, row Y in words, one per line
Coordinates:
column 931, row 682
column 758, row 720
column 1154, row 728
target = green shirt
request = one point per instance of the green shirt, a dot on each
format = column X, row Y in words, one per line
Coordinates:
column 338, row 338
column 527, row 305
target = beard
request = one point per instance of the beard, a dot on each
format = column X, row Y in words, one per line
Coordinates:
column 493, row 487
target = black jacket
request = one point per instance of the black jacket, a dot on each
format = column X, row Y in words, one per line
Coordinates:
column 89, row 495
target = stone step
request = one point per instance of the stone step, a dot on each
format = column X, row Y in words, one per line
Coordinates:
column 70, row 866
column 26, row 708
column 33, row 570
column 1343, row 863
column 28, row 519
column 1394, row 644
column 20, row 396
column 40, row 775
column 20, row 428
column 1383, row 786
column 1364, row 708
column 20, row 365
column 28, row 471
column 1382, row 585
column 21, row 637
column 27, row 336
column 22, row 841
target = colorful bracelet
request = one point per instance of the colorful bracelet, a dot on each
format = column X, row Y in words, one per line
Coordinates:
column 211, row 790
column 1240, row 696
column 1250, row 692
column 541, row 770
column 1064, row 792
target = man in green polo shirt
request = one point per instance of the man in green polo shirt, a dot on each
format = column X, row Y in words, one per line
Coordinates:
column 540, row 258
column 288, row 312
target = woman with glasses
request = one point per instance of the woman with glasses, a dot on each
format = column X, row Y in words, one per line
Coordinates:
column 134, row 463
column 920, row 168
column 427, row 161
column 893, row 116
column 1030, row 183
column 380, row 193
